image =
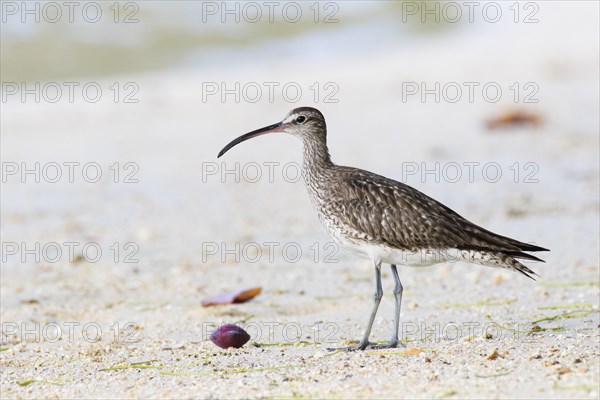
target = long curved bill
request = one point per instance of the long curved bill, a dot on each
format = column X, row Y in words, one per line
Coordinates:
column 262, row 131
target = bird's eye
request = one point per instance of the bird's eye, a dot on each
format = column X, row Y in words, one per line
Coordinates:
column 301, row 119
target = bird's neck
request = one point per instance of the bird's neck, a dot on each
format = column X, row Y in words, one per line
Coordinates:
column 316, row 156
column 317, row 166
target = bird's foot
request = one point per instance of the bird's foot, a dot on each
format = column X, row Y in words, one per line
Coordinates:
column 356, row 347
column 392, row 344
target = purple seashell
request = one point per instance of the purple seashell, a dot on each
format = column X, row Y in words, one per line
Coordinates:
column 229, row 335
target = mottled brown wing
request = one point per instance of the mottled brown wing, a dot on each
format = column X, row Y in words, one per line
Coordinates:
column 404, row 218
column 396, row 220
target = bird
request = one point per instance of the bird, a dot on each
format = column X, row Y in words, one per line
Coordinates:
column 386, row 221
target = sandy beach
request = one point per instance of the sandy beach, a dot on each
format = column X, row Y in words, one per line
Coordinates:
column 108, row 305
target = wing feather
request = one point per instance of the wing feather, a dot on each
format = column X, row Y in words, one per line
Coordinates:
column 405, row 218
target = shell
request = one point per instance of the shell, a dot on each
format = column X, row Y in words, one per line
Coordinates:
column 229, row 335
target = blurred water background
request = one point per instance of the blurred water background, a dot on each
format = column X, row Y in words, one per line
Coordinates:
column 150, row 35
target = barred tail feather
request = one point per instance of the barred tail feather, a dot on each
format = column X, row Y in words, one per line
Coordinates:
column 505, row 260
column 508, row 261
column 517, row 266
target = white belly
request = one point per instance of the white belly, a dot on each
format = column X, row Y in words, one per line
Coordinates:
column 390, row 255
column 422, row 258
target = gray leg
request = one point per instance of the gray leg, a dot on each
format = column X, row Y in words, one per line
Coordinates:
column 398, row 289
column 376, row 300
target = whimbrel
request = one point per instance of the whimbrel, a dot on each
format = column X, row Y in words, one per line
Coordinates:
column 387, row 221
